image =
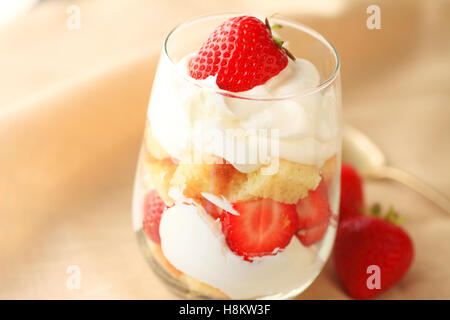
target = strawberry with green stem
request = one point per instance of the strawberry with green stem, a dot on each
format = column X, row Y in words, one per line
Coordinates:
column 371, row 240
column 241, row 53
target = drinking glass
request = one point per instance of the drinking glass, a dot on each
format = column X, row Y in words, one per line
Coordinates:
column 220, row 172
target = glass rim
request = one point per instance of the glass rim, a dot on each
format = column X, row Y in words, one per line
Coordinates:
column 241, row 95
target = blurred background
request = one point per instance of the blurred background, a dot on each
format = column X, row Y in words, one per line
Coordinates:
column 74, row 85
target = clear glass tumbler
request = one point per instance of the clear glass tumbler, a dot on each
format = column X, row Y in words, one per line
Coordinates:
column 237, row 194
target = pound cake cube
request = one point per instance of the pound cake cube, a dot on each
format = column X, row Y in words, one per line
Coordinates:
column 237, row 189
column 202, row 288
column 162, row 260
column 328, row 170
column 153, row 146
column 193, row 178
column 160, row 172
column 290, row 183
column 212, row 175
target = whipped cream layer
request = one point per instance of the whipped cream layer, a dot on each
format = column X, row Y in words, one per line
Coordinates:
column 188, row 115
column 193, row 243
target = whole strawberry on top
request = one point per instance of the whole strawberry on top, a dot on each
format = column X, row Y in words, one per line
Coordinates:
column 371, row 254
column 242, row 53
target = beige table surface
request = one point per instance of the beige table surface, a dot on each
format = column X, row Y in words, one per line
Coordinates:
column 72, row 110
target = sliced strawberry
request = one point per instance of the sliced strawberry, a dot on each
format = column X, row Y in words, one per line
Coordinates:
column 314, row 209
column 312, row 235
column 154, row 207
column 213, row 210
column 261, row 228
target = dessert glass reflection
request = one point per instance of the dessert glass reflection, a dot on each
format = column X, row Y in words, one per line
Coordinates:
column 237, row 192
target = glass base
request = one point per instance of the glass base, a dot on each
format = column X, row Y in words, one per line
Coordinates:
column 183, row 292
column 174, row 285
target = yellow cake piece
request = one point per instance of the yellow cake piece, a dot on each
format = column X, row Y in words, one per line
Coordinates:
column 209, row 174
column 237, row 189
column 290, row 183
column 188, row 281
column 160, row 172
column 153, row 146
column 202, row 288
column 328, row 170
column 162, row 260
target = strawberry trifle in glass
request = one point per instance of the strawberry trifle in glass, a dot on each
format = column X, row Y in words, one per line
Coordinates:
column 237, row 186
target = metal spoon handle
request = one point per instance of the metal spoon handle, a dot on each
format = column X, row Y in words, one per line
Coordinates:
column 414, row 183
